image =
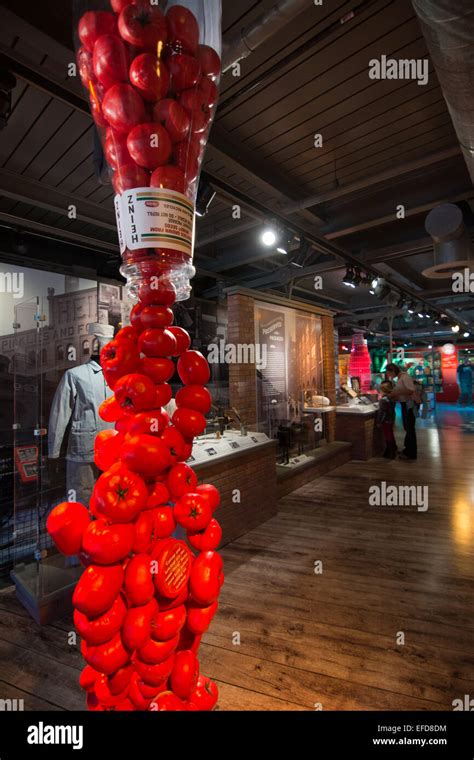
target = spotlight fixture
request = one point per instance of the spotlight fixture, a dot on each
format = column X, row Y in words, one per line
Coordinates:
column 357, row 276
column 205, row 196
column 348, row 278
column 268, row 237
column 466, row 334
column 375, row 282
column 382, row 289
column 455, row 328
column 411, row 308
column 282, row 250
column 430, row 346
column 372, row 292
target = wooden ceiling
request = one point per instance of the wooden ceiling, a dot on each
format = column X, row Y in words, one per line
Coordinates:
column 385, row 143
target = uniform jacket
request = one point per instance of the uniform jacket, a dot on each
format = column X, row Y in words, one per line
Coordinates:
column 77, row 399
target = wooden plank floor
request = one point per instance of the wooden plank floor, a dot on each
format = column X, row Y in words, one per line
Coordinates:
column 286, row 638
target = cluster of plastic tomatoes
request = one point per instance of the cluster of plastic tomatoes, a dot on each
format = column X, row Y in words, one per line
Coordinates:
column 146, row 597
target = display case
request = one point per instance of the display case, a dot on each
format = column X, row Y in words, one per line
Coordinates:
column 290, row 398
column 48, row 335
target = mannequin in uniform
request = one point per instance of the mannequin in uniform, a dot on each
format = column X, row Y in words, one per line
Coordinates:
column 77, row 399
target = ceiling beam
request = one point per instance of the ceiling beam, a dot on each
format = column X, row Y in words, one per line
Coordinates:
column 375, row 179
column 390, row 218
column 21, row 188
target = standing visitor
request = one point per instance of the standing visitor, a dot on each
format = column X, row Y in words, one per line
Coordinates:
column 465, row 382
column 404, row 392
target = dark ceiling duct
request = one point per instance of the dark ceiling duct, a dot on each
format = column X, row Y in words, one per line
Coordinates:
column 245, row 41
column 452, row 246
column 448, row 28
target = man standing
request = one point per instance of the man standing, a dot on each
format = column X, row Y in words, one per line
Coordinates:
column 465, row 382
column 405, row 392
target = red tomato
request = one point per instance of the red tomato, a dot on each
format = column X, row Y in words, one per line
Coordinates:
column 119, row 5
column 192, row 512
column 207, row 539
column 154, row 674
column 195, row 397
column 66, row 524
column 157, row 343
column 119, row 681
column 118, row 358
column 183, row 340
column 138, row 581
column 110, row 61
column 157, row 496
column 122, row 425
column 181, row 480
column 173, row 117
column 207, row 577
column 166, row 625
column 107, row 447
column 183, row 29
column 105, row 696
column 149, row 145
column 188, row 640
column 153, row 317
column 135, row 695
column 150, row 691
column 99, row 630
column 88, row 678
column 150, row 76
column 157, row 292
column 164, row 523
column 108, row 657
column 106, row 543
column 129, row 177
column 137, row 625
column 144, row 26
column 84, row 64
column 196, row 103
column 189, row 422
column 123, row 107
column 127, row 333
column 184, row 70
column 210, row 62
column 176, row 444
column 199, row 618
column 164, row 394
column 97, row 589
column 169, row 178
column 146, row 454
column 135, row 316
column 153, row 652
column 120, row 494
column 158, row 369
column 193, row 368
column 205, row 695
column 143, row 532
column 151, row 423
column 185, row 673
column 169, row 702
column 93, row 25
column 186, row 157
column 135, row 393
column 92, row 703
column 110, row 410
column 115, row 149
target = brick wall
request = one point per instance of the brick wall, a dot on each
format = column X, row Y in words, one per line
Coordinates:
column 253, row 473
column 242, row 377
column 362, row 432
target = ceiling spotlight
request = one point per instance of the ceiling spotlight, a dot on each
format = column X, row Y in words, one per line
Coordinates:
column 466, row 334
column 348, row 278
column 205, row 196
column 375, row 282
column 281, row 249
column 357, row 276
column 430, row 346
column 372, row 292
column 455, row 328
column 268, row 237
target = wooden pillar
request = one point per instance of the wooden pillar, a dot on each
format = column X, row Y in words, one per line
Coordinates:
column 329, row 376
